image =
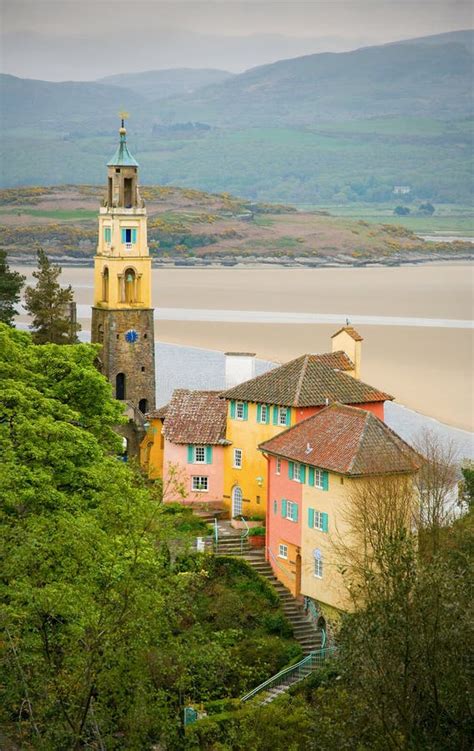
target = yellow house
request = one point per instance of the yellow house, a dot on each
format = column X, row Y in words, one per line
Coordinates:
column 319, row 470
column 153, row 444
column 262, row 407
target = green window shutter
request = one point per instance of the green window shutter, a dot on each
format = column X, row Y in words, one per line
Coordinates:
column 208, row 454
column 268, row 415
column 325, row 480
column 294, row 514
column 190, row 454
column 311, row 476
column 311, row 518
column 134, row 235
column 275, row 415
column 124, row 236
column 288, row 415
column 325, row 522
column 283, row 507
column 303, row 473
column 232, row 409
column 246, row 411
column 275, row 507
column 259, row 412
column 291, row 470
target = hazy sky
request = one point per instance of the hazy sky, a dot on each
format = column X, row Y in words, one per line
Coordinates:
column 86, row 39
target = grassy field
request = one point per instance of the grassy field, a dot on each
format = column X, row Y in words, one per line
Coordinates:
column 447, row 219
column 62, row 215
column 336, row 163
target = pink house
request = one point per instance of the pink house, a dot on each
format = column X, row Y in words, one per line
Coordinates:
column 193, row 453
column 284, row 514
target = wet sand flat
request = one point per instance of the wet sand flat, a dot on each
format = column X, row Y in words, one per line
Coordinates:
column 427, row 369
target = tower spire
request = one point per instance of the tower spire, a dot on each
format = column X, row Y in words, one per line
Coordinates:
column 122, row 156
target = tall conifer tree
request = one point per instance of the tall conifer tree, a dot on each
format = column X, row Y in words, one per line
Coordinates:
column 11, row 283
column 50, row 305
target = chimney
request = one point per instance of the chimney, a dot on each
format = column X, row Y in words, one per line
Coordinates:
column 349, row 341
column 239, row 367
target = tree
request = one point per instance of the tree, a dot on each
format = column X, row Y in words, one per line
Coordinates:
column 437, row 485
column 50, row 305
column 401, row 211
column 11, row 283
column 426, row 208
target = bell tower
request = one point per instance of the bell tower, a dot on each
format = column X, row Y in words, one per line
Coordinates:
column 122, row 314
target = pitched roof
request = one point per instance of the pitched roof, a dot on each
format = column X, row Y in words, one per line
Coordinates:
column 196, row 417
column 308, row 381
column 351, row 331
column 159, row 413
column 346, row 440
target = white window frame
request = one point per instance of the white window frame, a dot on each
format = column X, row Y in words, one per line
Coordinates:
column 196, row 460
column 318, row 479
column 263, row 413
column 318, row 568
column 283, row 551
column 278, row 466
column 297, row 472
column 198, row 480
column 289, row 510
column 282, row 412
column 237, row 464
column 239, row 407
column 318, row 520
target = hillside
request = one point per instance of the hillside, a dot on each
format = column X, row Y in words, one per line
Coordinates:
column 402, row 79
column 188, row 227
column 327, row 128
column 159, row 84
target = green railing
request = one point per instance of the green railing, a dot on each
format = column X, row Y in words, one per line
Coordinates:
column 244, row 535
column 294, row 673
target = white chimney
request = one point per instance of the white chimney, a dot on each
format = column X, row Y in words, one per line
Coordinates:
column 239, row 367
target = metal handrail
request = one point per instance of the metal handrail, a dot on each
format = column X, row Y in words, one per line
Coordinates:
column 291, row 574
column 244, row 535
column 300, row 669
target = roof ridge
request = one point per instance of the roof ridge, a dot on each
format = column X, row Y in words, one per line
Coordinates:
column 301, row 378
column 258, row 377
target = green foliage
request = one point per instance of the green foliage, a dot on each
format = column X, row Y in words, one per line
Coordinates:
column 104, row 637
column 49, row 305
column 11, row 283
column 256, row 531
column 401, row 211
column 467, row 484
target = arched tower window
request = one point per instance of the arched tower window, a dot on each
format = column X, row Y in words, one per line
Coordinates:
column 120, row 386
column 143, row 406
column 130, row 286
column 105, row 285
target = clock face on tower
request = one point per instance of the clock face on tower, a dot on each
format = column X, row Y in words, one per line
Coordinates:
column 131, row 336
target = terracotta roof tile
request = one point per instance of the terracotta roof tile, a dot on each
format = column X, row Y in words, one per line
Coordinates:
column 196, row 417
column 346, row 440
column 351, row 331
column 308, row 381
column 159, row 413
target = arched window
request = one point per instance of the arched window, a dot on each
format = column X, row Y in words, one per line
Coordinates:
column 130, row 286
column 236, row 501
column 143, row 406
column 120, row 386
column 105, row 285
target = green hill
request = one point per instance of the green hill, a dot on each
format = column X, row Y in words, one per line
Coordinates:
column 158, row 84
column 327, row 128
column 402, row 79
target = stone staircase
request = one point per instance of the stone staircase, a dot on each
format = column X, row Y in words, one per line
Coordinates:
column 303, row 629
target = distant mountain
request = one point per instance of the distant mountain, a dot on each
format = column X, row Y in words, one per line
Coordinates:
column 428, row 77
column 44, row 105
column 158, row 84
